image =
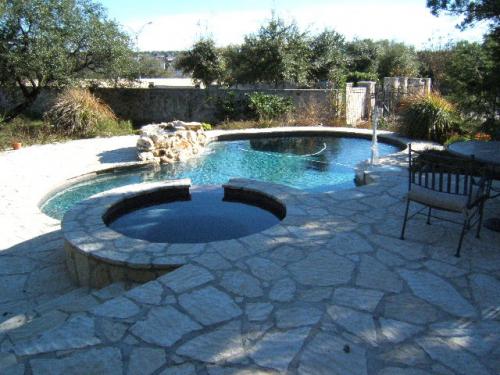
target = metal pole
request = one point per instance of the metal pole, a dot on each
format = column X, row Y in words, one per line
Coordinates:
column 374, row 148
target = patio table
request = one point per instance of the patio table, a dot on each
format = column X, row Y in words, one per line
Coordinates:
column 485, row 152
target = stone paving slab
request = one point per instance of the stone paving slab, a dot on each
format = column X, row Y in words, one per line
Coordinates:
column 294, row 308
column 31, row 260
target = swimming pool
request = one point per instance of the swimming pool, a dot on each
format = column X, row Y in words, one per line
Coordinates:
column 316, row 164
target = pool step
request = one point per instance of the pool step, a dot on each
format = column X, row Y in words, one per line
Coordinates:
column 52, row 314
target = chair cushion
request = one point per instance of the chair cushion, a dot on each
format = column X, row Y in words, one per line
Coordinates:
column 444, row 201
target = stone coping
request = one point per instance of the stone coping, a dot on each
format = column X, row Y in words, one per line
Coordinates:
column 117, row 167
column 86, row 233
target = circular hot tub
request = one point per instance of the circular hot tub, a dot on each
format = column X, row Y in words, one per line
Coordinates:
column 200, row 215
column 138, row 232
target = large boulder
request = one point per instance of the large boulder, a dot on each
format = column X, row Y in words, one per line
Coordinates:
column 145, row 144
column 170, row 142
column 187, row 125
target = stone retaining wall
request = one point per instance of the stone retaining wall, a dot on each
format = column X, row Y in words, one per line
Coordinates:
column 154, row 105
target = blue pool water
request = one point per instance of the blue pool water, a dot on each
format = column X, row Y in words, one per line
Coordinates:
column 315, row 164
column 204, row 218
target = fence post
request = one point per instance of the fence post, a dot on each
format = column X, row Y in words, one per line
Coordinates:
column 427, row 86
column 348, row 104
column 370, row 96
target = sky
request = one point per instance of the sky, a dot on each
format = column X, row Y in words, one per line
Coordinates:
column 177, row 24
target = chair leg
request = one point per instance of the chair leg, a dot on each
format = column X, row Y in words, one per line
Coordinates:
column 429, row 216
column 406, row 218
column 464, row 229
column 480, row 223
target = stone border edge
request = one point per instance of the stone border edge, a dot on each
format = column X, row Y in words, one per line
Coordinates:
column 96, row 255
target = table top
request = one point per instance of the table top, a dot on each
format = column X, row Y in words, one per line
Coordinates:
column 488, row 152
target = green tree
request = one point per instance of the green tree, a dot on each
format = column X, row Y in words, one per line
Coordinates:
column 151, row 67
column 472, row 77
column 231, row 64
column 363, row 55
column 472, row 10
column 328, row 59
column 474, row 72
column 48, row 43
column 203, row 62
column 278, row 53
column 433, row 64
column 397, row 59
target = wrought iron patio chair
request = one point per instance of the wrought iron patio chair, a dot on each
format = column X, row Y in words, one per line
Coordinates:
column 495, row 176
column 447, row 184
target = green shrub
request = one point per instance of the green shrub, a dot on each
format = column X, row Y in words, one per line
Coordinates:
column 429, row 117
column 111, row 128
column 270, row 107
column 206, row 126
column 28, row 131
column 491, row 127
column 77, row 112
column 455, row 137
column 232, row 107
column 383, row 123
column 355, row 77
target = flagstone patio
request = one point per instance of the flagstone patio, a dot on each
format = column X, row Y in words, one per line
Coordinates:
column 337, row 292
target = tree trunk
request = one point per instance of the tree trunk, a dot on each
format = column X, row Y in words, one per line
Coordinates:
column 29, row 99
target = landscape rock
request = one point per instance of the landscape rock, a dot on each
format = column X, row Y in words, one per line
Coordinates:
column 170, row 142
